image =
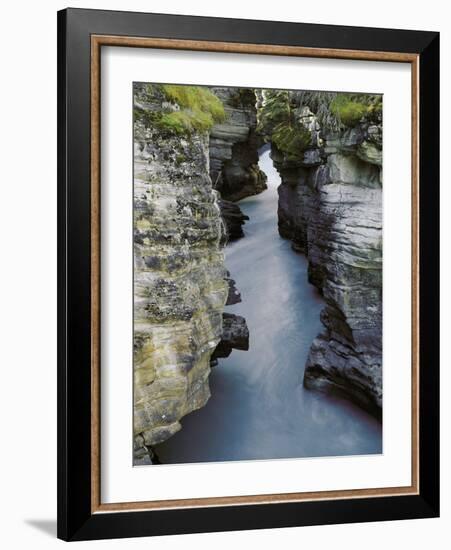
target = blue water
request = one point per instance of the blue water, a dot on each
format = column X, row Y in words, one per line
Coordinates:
column 258, row 408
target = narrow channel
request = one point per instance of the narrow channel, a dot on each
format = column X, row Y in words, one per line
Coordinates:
column 259, row 408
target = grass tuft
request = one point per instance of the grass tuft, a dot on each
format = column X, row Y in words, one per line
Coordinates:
column 350, row 109
column 199, row 110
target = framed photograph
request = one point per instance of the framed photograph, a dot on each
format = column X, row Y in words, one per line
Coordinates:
column 248, row 274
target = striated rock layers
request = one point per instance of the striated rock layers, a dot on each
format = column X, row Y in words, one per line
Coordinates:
column 234, row 146
column 233, row 219
column 180, row 285
column 330, row 206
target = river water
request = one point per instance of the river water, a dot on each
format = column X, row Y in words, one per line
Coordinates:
column 259, row 408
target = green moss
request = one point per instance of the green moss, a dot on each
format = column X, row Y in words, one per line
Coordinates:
column 350, row 109
column 335, row 111
column 185, row 122
column 292, row 141
column 277, row 109
column 195, row 98
column 195, row 108
column 180, row 159
column 146, row 117
column 199, row 109
column 278, row 120
column 375, row 109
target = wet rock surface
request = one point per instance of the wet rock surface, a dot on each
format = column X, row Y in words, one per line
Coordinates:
column 234, row 296
column 235, row 335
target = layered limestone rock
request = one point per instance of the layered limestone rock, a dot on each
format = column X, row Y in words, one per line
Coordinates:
column 234, row 146
column 330, row 206
column 345, row 251
column 180, row 285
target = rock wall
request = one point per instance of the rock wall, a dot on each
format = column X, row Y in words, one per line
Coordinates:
column 180, row 285
column 234, row 146
column 330, row 206
column 233, row 219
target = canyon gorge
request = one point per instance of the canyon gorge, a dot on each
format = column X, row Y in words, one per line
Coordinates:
column 264, row 342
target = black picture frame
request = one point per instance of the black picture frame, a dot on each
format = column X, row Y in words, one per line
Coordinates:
column 75, row 518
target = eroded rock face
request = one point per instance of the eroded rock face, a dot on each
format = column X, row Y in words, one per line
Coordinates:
column 345, row 252
column 234, row 147
column 180, row 286
column 234, row 296
column 235, row 335
column 234, row 219
column 330, row 206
